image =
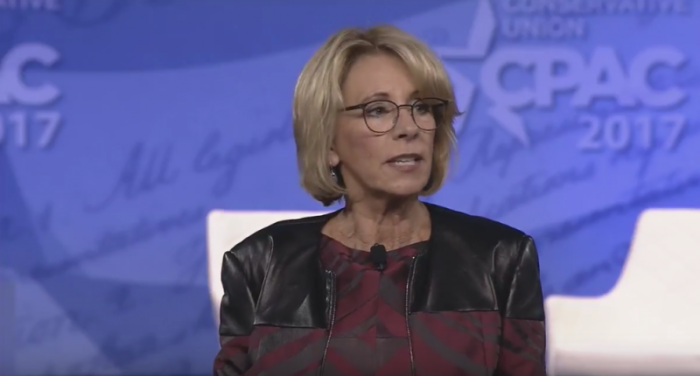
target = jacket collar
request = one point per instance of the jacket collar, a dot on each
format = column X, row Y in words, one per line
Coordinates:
column 444, row 278
column 295, row 291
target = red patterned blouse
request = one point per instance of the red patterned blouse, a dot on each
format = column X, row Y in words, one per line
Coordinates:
column 370, row 336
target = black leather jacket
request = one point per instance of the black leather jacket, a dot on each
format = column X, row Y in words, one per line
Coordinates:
column 274, row 278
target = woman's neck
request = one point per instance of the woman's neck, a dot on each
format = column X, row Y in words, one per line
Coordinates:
column 395, row 224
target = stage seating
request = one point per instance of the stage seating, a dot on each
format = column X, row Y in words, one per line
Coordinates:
column 649, row 324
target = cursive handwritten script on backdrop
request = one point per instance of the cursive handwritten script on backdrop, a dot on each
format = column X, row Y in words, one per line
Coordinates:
column 106, row 229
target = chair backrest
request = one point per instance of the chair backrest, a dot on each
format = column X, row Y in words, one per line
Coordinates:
column 228, row 228
column 664, row 258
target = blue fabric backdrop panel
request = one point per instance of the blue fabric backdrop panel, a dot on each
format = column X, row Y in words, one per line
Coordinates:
column 123, row 123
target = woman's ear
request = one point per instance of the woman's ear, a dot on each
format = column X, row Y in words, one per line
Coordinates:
column 333, row 157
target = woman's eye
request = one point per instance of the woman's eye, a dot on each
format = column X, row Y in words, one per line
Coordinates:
column 422, row 108
column 377, row 111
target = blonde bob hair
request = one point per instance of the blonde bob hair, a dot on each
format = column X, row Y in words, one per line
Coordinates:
column 318, row 99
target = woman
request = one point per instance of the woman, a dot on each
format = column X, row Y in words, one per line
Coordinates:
column 454, row 295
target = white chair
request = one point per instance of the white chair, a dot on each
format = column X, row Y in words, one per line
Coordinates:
column 226, row 229
column 649, row 324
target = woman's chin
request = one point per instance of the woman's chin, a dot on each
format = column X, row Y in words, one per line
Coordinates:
column 407, row 189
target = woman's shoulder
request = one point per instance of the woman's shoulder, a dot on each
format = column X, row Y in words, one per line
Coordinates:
column 468, row 225
column 483, row 238
column 501, row 251
column 256, row 245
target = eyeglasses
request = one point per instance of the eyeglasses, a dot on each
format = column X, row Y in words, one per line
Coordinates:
column 381, row 116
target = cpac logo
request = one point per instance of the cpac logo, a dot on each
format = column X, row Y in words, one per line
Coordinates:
column 557, row 70
column 22, row 124
column 13, row 88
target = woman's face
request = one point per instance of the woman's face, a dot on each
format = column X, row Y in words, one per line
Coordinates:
column 396, row 163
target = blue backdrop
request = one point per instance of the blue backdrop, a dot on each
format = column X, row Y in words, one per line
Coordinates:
column 122, row 123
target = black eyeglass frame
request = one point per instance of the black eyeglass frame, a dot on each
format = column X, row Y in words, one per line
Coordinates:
column 412, row 106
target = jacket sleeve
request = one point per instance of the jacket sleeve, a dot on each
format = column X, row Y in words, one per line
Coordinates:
column 523, row 337
column 236, row 315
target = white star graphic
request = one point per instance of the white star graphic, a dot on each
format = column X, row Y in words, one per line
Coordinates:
column 479, row 41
